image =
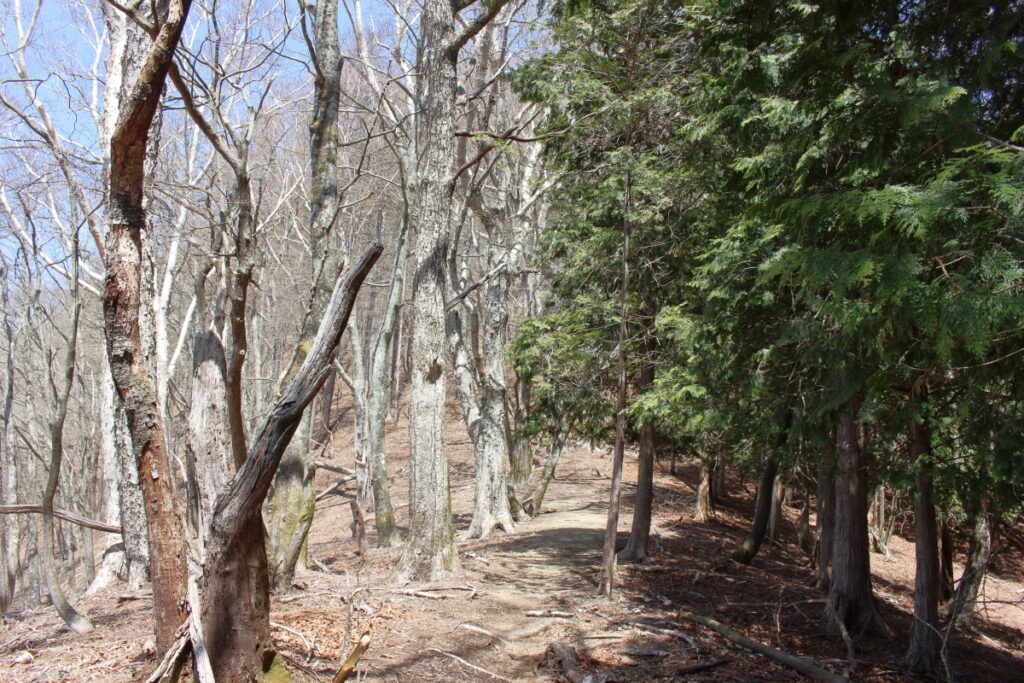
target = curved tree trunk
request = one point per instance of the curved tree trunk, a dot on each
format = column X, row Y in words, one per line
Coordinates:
column 762, row 512
column 850, row 594
column 925, row 643
column 536, row 499
column 978, row 557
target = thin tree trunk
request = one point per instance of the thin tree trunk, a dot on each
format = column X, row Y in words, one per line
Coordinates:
column 376, row 400
column 704, row 508
column 850, row 594
column 762, row 511
column 925, row 643
column 607, row 581
column 536, row 499
column 636, row 546
column 825, row 524
column 947, row 587
column 778, row 497
column 718, row 480
column 290, row 507
column 75, row 621
column 9, row 528
column 978, row 557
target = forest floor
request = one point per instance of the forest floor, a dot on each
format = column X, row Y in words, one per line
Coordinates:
column 519, row 592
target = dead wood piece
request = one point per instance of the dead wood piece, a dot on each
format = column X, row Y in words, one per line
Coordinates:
column 350, row 664
column 667, row 632
column 169, row 667
column 796, row 663
column 702, row 666
column 320, row 464
column 358, row 526
column 549, row 613
column 305, row 641
column 333, row 487
column 471, row 666
column 565, row 656
column 480, row 629
column 60, row 514
column 641, row 652
column 125, row 597
column 536, row 628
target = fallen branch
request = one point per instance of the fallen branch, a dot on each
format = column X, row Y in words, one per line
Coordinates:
column 696, row 668
column 332, row 468
column 549, row 613
column 565, row 656
column 125, row 597
column 305, row 641
column 350, row 664
column 480, row 629
column 61, row 514
column 462, row 661
column 333, row 487
column 667, row 632
column 796, row 663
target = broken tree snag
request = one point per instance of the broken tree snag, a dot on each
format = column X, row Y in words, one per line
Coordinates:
column 565, row 656
column 358, row 526
column 350, row 664
column 796, row 663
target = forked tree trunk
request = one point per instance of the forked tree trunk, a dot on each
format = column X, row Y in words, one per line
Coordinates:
column 978, row 557
column 234, row 587
column 121, row 306
column 850, row 594
column 703, row 508
column 925, row 643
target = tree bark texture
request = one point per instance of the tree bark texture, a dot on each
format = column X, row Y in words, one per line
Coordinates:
column 430, row 553
column 703, row 509
column 850, row 594
column 925, row 643
column 121, row 305
column 640, row 531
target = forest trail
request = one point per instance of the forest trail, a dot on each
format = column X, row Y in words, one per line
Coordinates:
column 519, row 592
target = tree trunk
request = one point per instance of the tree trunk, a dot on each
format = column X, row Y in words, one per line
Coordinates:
column 290, row 507
column 430, row 553
column 775, row 517
column 607, row 581
column 850, row 594
column 925, row 643
column 825, row 525
column 762, row 511
column 536, row 499
column 9, row 528
column 978, row 557
column 718, row 481
column 636, row 546
column 121, row 306
column 947, row 552
column 703, row 509
column 376, row 400
column 234, row 588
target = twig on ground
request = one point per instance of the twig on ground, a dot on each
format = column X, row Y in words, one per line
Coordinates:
column 471, row 666
column 305, row 641
column 667, row 632
column 549, row 613
column 480, row 629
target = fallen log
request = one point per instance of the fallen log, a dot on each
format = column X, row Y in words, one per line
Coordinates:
column 565, row 656
column 796, row 663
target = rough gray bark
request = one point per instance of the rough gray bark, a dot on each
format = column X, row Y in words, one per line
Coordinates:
column 850, row 593
column 430, row 553
column 925, row 643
